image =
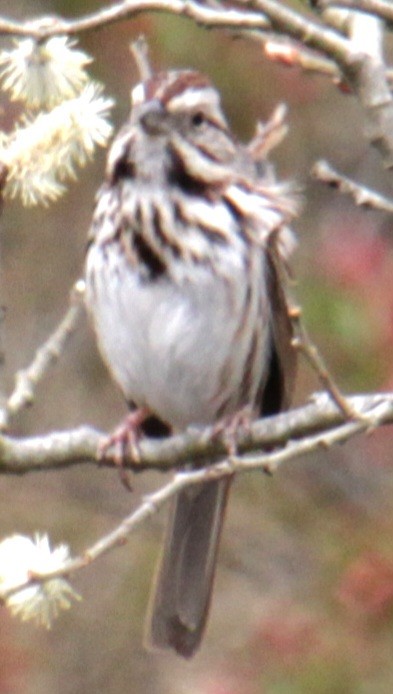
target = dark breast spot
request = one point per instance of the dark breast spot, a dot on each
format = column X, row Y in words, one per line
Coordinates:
column 148, row 257
column 122, row 169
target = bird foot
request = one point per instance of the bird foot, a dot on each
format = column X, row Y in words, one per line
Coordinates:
column 124, row 441
column 229, row 428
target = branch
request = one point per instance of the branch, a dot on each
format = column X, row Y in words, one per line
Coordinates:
column 365, row 73
column 363, row 196
column 269, row 14
column 209, row 17
column 380, row 410
column 369, row 79
column 379, row 8
column 304, row 344
column 196, row 447
column 303, row 28
column 27, row 379
column 291, row 53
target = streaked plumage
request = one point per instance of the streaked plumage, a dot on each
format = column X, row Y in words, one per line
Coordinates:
column 187, row 305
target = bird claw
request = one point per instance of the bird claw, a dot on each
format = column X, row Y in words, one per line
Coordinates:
column 124, row 442
column 232, row 426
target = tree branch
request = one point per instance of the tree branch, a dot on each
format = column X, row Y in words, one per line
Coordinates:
column 363, row 196
column 46, row 355
column 365, row 73
column 196, row 447
column 225, row 18
column 270, row 14
column 379, row 8
column 305, row 345
column 379, row 410
column 286, row 51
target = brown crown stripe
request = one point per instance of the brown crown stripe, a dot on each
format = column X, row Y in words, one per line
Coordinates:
column 180, row 82
column 186, row 80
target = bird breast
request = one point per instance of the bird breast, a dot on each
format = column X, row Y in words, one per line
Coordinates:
column 189, row 349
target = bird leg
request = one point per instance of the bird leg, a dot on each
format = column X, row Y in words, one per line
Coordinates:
column 124, row 440
column 230, row 427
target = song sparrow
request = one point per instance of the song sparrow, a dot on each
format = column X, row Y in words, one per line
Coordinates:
column 187, row 303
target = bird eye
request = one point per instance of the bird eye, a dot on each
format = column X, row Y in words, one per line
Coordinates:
column 198, row 119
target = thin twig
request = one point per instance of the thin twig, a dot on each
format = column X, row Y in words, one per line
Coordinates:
column 283, row 50
column 303, row 28
column 379, row 8
column 304, row 344
column 149, row 507
column 292, row 53
column 363, row 196
column 27, row 379
column 154, row 502
column 140, row 52
column 366, row 75
column 268, row 14
column 206, row 16
column 294, row 449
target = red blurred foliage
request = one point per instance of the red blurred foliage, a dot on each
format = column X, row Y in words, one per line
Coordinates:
column 353, row 256
column 367, row 586
column 282, row 641
column 360, row 261
column 286, row 636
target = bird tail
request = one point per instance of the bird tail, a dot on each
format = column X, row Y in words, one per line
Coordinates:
column 181, row 595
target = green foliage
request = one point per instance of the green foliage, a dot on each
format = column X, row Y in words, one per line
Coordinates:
column 346, row 332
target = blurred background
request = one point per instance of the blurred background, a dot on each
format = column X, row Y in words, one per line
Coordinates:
column 304, row 592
